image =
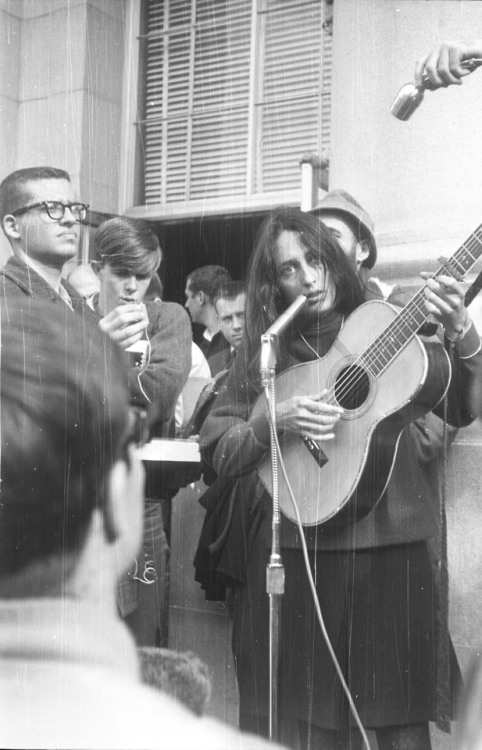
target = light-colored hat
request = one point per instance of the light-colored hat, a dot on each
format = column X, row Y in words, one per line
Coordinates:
column 341, row 202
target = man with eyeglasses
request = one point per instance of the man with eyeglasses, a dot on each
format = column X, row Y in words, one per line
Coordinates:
column 41, row 219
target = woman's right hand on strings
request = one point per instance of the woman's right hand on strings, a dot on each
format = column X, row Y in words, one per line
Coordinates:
column 308, row 416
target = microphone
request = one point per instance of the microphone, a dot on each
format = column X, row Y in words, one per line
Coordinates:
column 285, row 318
column 267, row 360
column 410, row 96
column 137, row 352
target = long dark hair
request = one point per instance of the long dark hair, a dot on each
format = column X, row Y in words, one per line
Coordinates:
column 264, row 303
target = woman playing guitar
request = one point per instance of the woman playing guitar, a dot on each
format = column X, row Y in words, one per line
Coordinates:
column 375, row 578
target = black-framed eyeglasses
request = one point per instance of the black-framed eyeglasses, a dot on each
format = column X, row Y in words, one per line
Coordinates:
column 56, row 209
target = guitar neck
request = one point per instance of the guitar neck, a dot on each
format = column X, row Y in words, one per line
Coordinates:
column 379, row 355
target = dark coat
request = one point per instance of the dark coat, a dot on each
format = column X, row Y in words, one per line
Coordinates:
column 216, row 352
column 393, row 537
column 20, row 281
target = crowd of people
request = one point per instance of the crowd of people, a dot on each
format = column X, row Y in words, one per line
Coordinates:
column 94, row 366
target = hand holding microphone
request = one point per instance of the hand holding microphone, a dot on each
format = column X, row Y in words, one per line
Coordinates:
column 447, row 64
column 444, row 66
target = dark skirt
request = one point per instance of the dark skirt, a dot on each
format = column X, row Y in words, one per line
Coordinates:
column 379, row 609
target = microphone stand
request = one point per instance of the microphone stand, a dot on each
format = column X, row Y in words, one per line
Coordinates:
column 275, row 572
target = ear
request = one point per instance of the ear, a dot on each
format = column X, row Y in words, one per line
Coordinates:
column 96, row 267
column 10, row 227
column 123, row 509
column 114, row 491
column 362, row 252
column 201, row 297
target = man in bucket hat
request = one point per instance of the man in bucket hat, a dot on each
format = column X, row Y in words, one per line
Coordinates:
column 351, row 225
column 354, row 229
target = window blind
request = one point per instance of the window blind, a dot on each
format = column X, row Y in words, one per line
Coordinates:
column 215, row 125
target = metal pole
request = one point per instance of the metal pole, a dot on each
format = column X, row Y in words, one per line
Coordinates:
column 275, row 578
column 275, row 573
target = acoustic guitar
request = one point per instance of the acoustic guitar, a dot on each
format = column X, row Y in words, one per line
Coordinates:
column 384, row 377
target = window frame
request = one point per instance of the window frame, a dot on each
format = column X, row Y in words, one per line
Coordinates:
column 132, row 172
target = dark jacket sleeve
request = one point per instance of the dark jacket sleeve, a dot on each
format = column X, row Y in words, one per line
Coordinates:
column 159, row 384
column 428, row 435
column 228, row 441
column 466, row 359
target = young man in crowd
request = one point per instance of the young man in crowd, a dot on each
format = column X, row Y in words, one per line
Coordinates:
column 353, row 228
column 229, row 306
column 82, row 277
column 128, row 255
column 70, row 524
column 202, row 286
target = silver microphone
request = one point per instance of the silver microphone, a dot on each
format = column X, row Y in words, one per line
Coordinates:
column 410, row 96
column 267, row 360
column 285, row 318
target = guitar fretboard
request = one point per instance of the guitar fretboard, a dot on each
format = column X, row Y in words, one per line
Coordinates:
column 401, row 330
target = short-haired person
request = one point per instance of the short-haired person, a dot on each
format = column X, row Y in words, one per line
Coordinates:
column 229, row 305
column 202, row 286
column 374, row 577
column 41, row 218
column 199, row 366
column 128, row 254
column 70, row 523
column 353, row 228
column 84, row 279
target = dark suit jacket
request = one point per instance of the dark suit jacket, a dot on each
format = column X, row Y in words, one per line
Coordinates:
column 18, row 280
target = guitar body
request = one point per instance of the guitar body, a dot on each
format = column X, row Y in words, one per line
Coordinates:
column 346, row 476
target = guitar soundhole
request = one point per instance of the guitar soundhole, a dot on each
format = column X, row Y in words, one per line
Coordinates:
column 352, row 387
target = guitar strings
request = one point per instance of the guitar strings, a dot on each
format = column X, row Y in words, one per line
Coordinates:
column 376, row 354
column 356, row 371
column 377, row 350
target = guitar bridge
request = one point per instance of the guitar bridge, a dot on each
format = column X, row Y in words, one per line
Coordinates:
column 316, row 451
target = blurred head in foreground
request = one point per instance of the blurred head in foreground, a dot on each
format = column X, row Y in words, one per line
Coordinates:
column 70, row 478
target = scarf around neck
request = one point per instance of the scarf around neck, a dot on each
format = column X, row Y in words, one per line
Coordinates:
column 319, row 334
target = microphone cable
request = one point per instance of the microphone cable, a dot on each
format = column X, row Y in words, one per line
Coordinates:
column 311, row 582
column 146, row 358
